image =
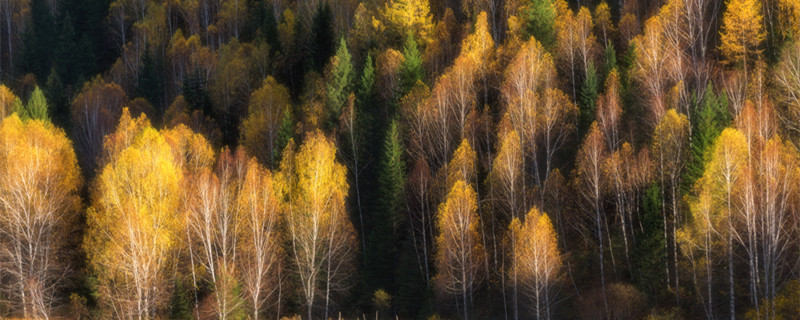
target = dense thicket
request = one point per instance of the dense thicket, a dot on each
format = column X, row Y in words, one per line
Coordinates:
column 472, row 159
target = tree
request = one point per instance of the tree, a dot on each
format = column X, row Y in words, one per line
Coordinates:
column 650, row 66
column 724, row 172
column 134, row 225
column 213, row 223
column 261, row 257
column 670, row 145
column 537, row 259
column 462, row 165
column 37, row 106
column 39, row 201
column 712, row 117
column 7, row 101
column 459, row 254
column 742, row 31
column 787, row 80
column 539, row 18
column 609, row 110
column 411, row 69
column 557, row 116
column 322, row 240
column 506, row 175
column 260, row 130
column 340, row 82
column 589, row 183
column 383, row 236
column 410, row 16
column 321, row 41
column 95, row 112
column 588, row 98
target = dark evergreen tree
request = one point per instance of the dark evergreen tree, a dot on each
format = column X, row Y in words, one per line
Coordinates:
column 38, row 40
column 366, row 83
column 340, row 85
column 588, row 99
column 320, row 43
column 382, row 243
column 195, row 91
column 150, row 84
column 649, row 250
column 59, row 103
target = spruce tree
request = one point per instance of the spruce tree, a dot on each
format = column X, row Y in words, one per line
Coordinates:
column 411, row 70
column 588, row 99
column 340, row 85
column 321, row 40
column 382, row 244
column 540, row 17
column 712, row 117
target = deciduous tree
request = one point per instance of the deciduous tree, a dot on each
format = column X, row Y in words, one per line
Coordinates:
column 39, row 202
column 459, row 253
column 537, row 258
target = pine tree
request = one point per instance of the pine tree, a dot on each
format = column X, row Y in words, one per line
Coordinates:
column 411, row 70
column 540, row 17
column 712, row 117
column 340, row 84
column 382, row 244
column 37, row 106
column 150, row 84
column 366, row 85
column 320, row 42
column 649, row 251
column 57, row 97
column 588, row 99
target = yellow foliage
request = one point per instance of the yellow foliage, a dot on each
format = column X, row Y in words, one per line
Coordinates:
column 459, row 252
column 265, row 113
column 7, row 99
column 404, row 16
column 742, row 30
column 134, row 225
column 536, row 256
column 462, row 165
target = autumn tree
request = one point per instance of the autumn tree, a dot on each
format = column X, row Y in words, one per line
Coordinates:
column 39, row 201
column 410, row 16
column 134, row 226
column 261, row 256
column 214, row 229
column 95, row 112
column 322, row 239
column 260, row 129
column 537, row 258
column 589, row 183
column 459, row 252
column 670, row 146
column 742, row 31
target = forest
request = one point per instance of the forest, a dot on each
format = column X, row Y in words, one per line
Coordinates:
column 400, row 159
